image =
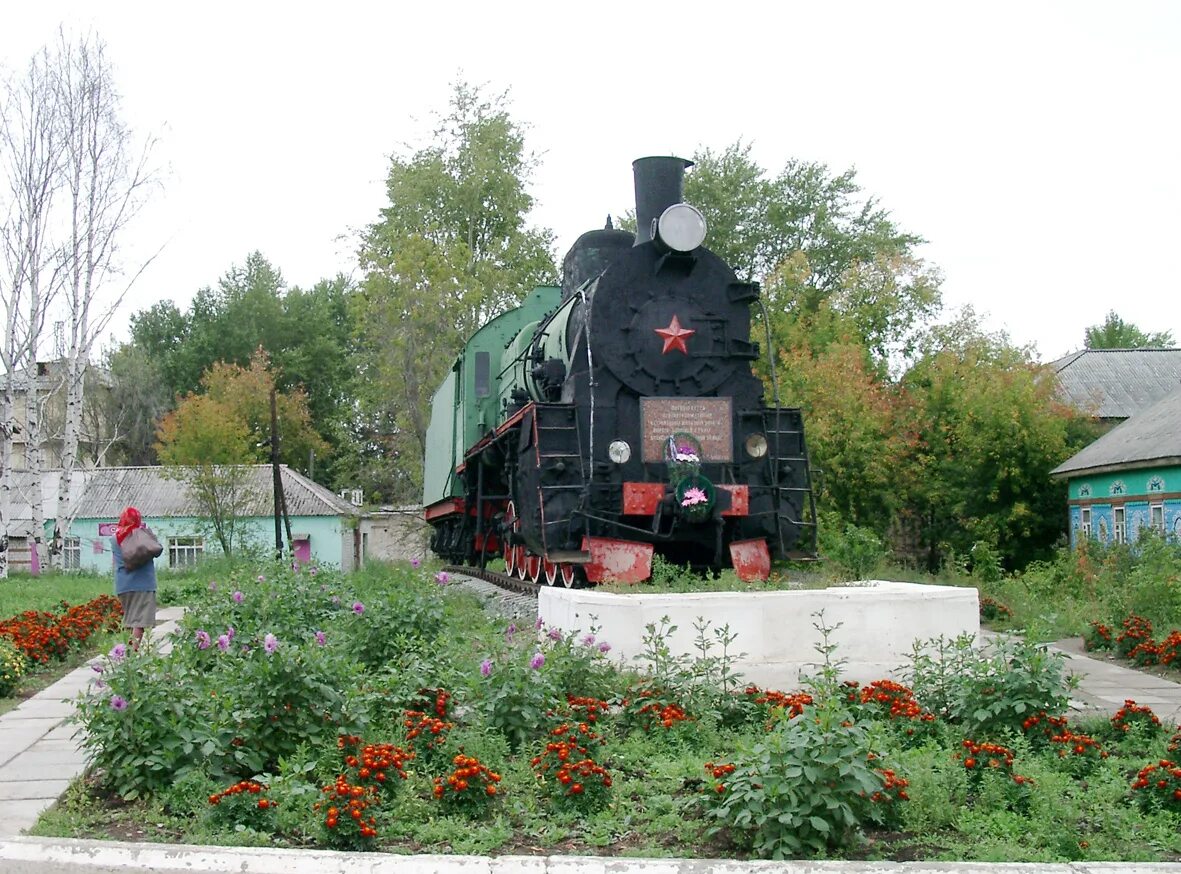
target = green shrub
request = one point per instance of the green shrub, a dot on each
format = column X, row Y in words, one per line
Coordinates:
column 857, row 551
column 810, row 784
column 990, row 690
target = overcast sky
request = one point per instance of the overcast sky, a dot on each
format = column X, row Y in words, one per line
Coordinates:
column 1036, row 146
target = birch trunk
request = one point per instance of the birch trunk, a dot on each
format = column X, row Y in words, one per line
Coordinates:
column 104, row 188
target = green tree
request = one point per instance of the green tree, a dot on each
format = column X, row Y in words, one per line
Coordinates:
column 1115, row 333
column 815, row 241
column 306, row 333
column 989, row 430
column 450, row 251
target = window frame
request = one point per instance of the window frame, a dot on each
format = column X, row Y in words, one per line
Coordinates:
column 189, row 547
column 1119, row 524
column 1156, row 517
column 71, row 553
column 1085, row 522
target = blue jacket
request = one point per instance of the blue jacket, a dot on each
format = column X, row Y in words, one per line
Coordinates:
column 142, row 579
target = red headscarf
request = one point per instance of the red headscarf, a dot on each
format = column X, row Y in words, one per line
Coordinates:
column 128, row 522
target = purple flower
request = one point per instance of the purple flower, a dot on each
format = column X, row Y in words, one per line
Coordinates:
column 313, row 570
column 261, row 578
column 237, row 596
column 358, row 607
column 510, row 631
column 99, row 684
column 589, row 640
column 538, row 624
column 604, row 647
column 118, row 651
column 442, row 578
column 97, row 668
column 270, row 643
column 202, row 640
column 118, row 702
column 554, row 634
column 336, row 600
column 230, row 632
column 321, row 638
column 213, row 585
column 537, row 661
column 223, row 642
column 416, row 563
column 485, row 667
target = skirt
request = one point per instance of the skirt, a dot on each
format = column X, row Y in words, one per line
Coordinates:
column 139, row 609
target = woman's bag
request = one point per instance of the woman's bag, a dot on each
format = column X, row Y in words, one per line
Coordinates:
column 139, row 547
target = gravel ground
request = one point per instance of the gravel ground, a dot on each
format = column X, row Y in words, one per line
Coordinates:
column 508, row 604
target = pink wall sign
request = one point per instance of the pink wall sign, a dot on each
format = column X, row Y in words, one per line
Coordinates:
column 302, row 550
column 107, row 529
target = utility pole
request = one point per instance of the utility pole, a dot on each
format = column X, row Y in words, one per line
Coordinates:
column 275, row 473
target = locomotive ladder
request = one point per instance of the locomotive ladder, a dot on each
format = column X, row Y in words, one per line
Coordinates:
column 786, row 444
column 560, row 458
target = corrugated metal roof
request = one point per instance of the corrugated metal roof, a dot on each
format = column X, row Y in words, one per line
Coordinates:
column 1117, row 383
column 105, row 491
column 1150, row 438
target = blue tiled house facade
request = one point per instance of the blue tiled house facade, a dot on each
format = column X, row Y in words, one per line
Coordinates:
column 1116, row 507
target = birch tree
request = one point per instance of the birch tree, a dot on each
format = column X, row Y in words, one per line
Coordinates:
column 106, row 179
column 31, row 158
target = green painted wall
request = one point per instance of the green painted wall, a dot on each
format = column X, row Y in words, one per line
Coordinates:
column 330, row 536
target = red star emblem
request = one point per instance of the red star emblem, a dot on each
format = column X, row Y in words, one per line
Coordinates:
column 674, row 336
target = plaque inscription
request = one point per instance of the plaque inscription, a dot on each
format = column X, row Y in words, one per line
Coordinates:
column 707, row 419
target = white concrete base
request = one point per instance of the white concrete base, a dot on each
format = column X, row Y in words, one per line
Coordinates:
column 875, row 624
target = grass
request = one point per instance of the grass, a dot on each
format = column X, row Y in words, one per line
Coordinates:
column 20, row 592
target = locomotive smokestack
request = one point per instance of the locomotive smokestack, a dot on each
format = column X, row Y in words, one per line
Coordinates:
column 660, row 182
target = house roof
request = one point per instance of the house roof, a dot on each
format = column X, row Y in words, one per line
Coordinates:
column 103, row 492
column 1117, row 383
column 1148, row 439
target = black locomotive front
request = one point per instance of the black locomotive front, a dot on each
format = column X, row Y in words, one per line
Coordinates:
column 650, row 435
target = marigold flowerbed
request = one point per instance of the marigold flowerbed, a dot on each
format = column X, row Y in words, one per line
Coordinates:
column 40, row 637
column 386, row 711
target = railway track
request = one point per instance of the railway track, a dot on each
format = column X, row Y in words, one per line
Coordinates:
column 503, row 581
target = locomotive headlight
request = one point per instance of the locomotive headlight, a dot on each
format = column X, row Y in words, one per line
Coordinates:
column 681, row 227
column 619, row 451
column 756, row 445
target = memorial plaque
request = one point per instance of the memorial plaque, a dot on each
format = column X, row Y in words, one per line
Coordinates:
column 707, row 419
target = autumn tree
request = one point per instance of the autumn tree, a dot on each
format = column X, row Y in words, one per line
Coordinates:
column 211, row 439
column 450, row 251
column 307, row 333
column 1115, row 333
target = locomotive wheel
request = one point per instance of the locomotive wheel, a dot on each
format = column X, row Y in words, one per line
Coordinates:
column 511, row 524
column 533, row 568
column 522, row 558
column 568, row 575
column 551, row 572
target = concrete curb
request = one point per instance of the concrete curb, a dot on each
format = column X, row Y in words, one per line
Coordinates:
column 65, row 856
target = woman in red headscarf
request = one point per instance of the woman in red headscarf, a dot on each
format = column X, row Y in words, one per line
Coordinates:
column 136, row 589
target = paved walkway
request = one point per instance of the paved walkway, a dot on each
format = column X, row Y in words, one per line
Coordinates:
column 39, row 757
column 39, row 754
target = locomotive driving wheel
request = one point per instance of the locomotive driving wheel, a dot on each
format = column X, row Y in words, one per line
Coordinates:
column 551, row 572
column 511, row 525
column 532, row 568
column 569, row 574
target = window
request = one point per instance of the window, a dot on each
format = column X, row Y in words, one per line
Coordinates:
column 185, row 551
column 72, row 553
column 1119, row 525
column 1156, row 517
column 1086, row 521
